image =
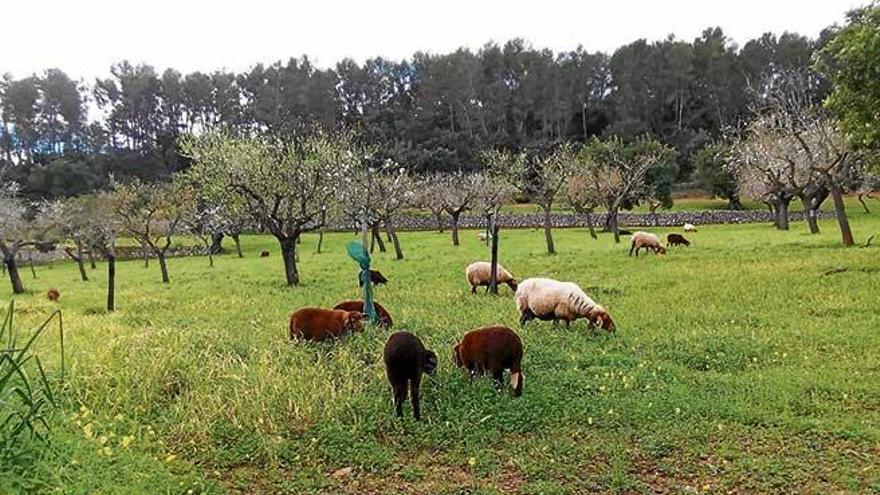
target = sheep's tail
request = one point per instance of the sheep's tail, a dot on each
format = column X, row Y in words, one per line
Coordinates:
column 517, row 380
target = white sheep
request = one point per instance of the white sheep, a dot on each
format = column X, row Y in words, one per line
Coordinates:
column 689, row 227
column 548, row 299
column 647, row 241
column 479, row 273
column 483, row 236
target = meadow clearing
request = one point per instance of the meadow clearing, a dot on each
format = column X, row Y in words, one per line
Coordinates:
column 738, row 366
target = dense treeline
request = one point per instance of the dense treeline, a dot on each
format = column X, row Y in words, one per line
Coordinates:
column 433, row 112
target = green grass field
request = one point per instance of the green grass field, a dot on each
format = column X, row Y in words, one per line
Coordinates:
column 737, row 367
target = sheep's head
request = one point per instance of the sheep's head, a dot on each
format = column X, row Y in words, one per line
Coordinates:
column 599, row 317
column 354, row 321
column 429, row 364
column 512, row 284
column 660, row 250
column 456, row 355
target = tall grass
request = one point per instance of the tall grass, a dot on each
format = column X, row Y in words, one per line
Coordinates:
column 25, row 389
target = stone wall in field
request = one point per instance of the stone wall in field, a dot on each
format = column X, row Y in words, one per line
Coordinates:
column 536, row 220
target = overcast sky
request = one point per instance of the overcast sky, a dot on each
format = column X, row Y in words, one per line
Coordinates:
column 84, row 37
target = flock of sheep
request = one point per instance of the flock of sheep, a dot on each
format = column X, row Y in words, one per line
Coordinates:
column 487, row 350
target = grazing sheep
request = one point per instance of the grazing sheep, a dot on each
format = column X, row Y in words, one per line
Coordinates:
column 376, row 278
column 53, row 295
column 646, row 240
column 405, row 360
column 689, row 227
column 317, row 324
column 264, row 254
column 479, row 273
column 548, row 299
column 483, row 236
column 492, row 350
column 384, row 317
column 677, row 240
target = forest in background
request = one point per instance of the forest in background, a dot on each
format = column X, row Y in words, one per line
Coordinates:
column 430, row 113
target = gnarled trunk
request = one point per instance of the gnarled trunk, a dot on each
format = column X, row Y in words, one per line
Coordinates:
column 392, row 234
column 456, row 215
column 548, row 235
column 92, row 259
column 376, row 239
column 612, row 224
column 288, row 254
column 163, row 266
column 780, row 208
column 237, row 239
column 842, row 220
column 14, row 275
column 589, row 220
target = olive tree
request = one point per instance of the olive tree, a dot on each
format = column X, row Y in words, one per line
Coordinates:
column 540, row 175
column 285, row 185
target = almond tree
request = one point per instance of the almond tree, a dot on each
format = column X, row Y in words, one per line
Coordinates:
column 432, row 196
column 152, row 214
column 583, row 199
column 393, row 188
column 285, row 185
column 540, row 175
column 102, row 232
column 614, row 174
column 460, row 190
column 72, row 219
column 492, row 193
column 15, row 232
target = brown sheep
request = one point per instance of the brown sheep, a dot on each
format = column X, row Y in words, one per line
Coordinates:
column 647, row 241
column 264, row 254
column 677, row 240
column 384, row 317
column 376, row 278
column 53, row 295
column 492, row 350
column 318, row 324
column 405, row 360
column 479, row 273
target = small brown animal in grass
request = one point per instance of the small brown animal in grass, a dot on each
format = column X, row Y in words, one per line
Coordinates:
column 53, row 295
column 264, row 254
column 376, row 278
column 677, row 240
column 492, row 350
column 317, row 324
column 405, row 360
column 384, row 317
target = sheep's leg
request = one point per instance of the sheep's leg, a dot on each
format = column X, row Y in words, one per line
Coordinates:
column 631, row 247
column 473, row 289
column 399, row 397
column 414, row 385
column 525, row 317
column 498, row 379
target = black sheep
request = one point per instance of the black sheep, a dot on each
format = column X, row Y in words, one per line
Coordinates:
column 677, row 240
column 376, row 278
column 405, row 360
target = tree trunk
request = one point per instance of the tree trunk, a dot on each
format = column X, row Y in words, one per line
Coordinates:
column 320, row 240
column 92, row 259
column 216, row 244
column 842, row 220
column 782, row 214
column 31, row 263
column 811, row 213
column 82, row 268
column 377, row 239
column 237, row 239
column 14, row 276
column 733, row 203
column 455, row 217
column 548, row 235
column 111, row 282
column 615, row 229
column 288, row 254
column 493, row 272
column 392, row 234
column 438, row 217
column 589, row 221
column 864, row 204
column 163, row 266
